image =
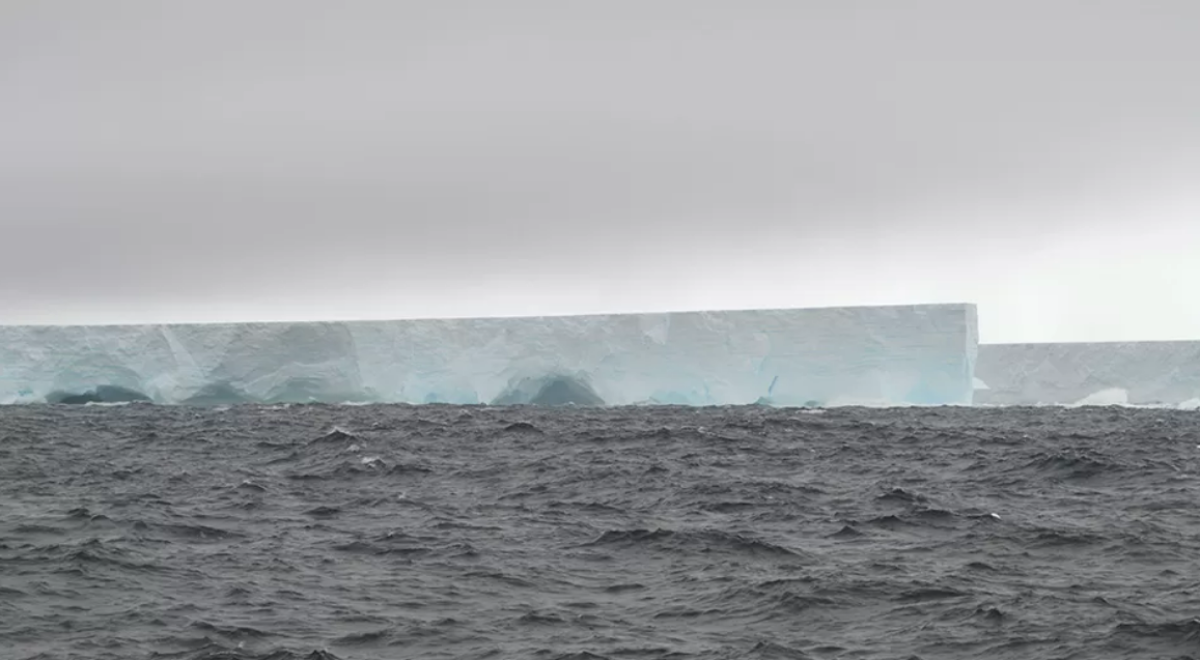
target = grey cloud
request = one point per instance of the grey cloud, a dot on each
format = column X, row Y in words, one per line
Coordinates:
column 232, row 149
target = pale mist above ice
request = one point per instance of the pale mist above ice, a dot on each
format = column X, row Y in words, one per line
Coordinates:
column 919, row 354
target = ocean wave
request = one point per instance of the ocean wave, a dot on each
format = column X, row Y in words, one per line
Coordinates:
column 358, row 532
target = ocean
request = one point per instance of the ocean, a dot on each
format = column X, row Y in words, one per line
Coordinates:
column 393, row 531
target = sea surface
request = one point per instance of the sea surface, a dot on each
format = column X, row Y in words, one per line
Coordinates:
column 362, row 532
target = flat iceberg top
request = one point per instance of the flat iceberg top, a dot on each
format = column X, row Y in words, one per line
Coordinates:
column 841, row 309
column 920, row 354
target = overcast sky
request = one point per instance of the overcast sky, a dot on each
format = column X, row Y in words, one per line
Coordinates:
column 252, row 160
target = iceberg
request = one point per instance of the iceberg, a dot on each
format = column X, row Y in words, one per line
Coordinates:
column 1164, row 373
column 893, row 355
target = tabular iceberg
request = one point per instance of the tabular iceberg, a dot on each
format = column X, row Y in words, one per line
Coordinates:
column 1142, row 372
column 916, row 354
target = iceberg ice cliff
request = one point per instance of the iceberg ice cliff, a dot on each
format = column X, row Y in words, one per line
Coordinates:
column 1099, row 373
column 918, row 354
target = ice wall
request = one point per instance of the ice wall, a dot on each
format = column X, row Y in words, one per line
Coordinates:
column 1159, row 372
column 920, row 354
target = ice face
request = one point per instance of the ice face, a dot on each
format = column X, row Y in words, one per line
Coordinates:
column 1102, row 373
column 920, row 354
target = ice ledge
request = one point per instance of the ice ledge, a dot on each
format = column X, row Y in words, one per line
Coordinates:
column 1149, row 373
column 913, row 354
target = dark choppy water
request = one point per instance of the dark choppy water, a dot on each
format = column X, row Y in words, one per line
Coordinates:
column 468, row 532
